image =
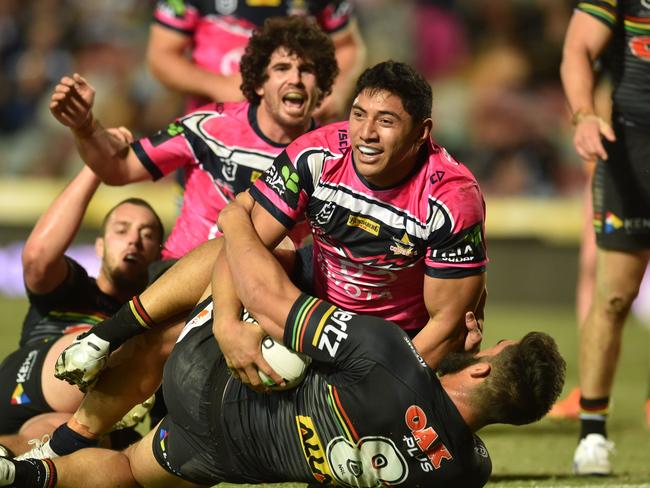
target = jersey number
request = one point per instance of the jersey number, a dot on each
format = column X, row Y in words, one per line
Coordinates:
column 373, row 461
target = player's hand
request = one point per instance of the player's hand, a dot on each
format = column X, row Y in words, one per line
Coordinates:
column 121, row 133
column 241, row 345
column 474, row 333
column 587, row 139
column 71, row 103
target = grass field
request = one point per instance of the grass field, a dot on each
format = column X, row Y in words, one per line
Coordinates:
column 538, row 455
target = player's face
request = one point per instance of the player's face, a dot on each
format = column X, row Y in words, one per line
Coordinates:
column 385, row 139
column 130, row 243
column 291, row 93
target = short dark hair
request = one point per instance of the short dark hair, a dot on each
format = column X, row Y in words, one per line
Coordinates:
column 299, row 36
column 141, row 203
column 525, row 381
column 402, row 80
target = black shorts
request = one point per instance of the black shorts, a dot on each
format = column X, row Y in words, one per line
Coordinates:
column 186, row 441
column 21, row 396
column 621, row 191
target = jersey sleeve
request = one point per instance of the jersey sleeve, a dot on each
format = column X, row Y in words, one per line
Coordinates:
column 456, row 247
column 68, row 292
column 179, row 15
column 165, row 151
column 351, row 342
column 332, row 16
column 282, row 191
column 602, row 10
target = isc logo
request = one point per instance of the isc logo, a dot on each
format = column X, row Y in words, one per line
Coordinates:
column 333, row 333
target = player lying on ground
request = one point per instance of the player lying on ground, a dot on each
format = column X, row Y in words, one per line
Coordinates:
column 338, row 425
column 65, row 301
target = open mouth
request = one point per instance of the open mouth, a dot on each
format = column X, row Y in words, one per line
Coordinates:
column 132, row 258
column 369, row 151
column 294, row 100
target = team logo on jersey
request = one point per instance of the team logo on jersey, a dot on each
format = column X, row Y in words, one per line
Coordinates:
column 225, row 7
column 364, row 223
column 612, row 223
column 403, row 246
column 426, row 438
column 229, row 170
column 312, row 447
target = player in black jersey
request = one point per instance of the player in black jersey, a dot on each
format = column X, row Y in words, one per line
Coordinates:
column 620, row 192
column 65, row 301
column 339, row 425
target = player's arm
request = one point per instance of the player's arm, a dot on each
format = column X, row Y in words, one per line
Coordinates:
column 109, row 156
column 44, row 263
column 350, row 52
column 261, row 283
column 166, row 56
column 448, row 300
column 585, row 40
column 241, row 345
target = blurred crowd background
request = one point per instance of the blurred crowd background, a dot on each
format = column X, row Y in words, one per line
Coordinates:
column 493, row 65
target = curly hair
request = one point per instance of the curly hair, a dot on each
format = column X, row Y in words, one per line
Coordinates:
column 299, row 36
column 402, row 80
column 525, row 381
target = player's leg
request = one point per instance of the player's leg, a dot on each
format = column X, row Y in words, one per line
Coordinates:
column 618, row 278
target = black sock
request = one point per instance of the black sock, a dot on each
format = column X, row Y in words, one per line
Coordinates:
column 35, row 473
column 66, row 441
column 130, row 320
column 593, row 416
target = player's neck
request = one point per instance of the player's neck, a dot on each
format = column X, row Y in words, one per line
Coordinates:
column 459, row 393
column 277, row 132
column 108, row 286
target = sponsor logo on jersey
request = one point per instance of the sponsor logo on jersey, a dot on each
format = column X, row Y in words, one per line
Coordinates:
column 612, row 223
column 343, row 140
column 425, row 438
column 364, row 224
column 19, row 397
column 255, row 175
column 25, row 370
column 312, row 447
column 403, row 246
column 164, row 135
column 291, row 179
column 177, row 6
column 459, row 254
column 263, row 3
column 332, row 331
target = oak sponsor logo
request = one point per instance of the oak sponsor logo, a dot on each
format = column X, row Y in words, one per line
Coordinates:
column 425, row 438
column 313, row 450
column 333, row 333
column 364, row 224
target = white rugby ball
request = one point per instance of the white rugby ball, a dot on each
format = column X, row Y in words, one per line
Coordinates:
column 291, row 365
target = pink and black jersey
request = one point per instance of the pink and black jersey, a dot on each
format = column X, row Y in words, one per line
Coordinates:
column 373, row 246
column 220, row 29
column 222, row 151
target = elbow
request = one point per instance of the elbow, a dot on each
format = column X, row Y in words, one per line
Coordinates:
column 34, row 269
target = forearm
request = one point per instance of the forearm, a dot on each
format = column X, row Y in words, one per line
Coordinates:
column 43, row 254
column 439, row 337
column 578, row 80
column 350, row 57
column 105, row 154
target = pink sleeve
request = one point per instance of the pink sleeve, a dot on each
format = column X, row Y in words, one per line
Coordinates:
column 179, row 16
column 165, row 151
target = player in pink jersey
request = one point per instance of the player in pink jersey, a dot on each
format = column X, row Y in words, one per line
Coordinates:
column 216, row 33
column 288, row 69
column 398, row 224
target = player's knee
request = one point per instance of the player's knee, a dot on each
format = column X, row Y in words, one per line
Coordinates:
column 617, row 303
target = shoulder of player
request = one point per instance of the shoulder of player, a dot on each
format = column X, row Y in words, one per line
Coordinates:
column 444, row 173
column 332, row 136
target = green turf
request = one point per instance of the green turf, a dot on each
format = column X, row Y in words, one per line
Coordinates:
column 537, row 455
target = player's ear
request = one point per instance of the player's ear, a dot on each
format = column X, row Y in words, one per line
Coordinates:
column 480, row 370
column 424, row 130
column 99, row 247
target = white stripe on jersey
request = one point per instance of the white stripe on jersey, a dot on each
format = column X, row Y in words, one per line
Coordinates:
column 242, row 156
column 395, row 217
